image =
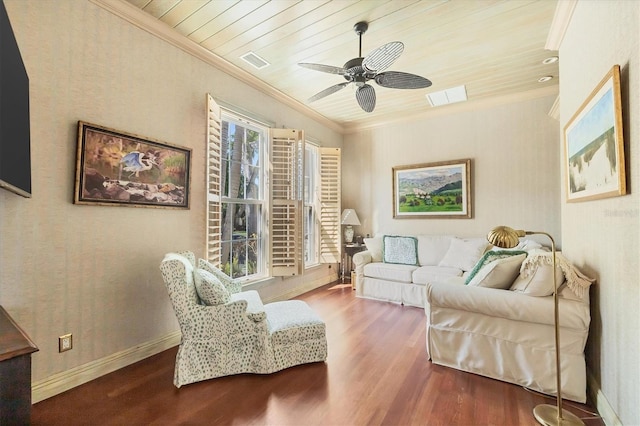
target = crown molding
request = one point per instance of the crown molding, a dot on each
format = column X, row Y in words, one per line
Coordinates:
column 146, row 22
column 454, row 108
column 560, row 23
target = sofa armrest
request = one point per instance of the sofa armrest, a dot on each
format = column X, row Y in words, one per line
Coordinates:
column 255, row 308
column 359, row 260
column 507, row 304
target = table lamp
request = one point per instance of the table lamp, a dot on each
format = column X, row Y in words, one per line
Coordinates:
column 349, row 218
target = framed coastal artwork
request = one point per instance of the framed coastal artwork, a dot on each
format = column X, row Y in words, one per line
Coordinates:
column 432, row 190
column 594, row 146
column 121, row 169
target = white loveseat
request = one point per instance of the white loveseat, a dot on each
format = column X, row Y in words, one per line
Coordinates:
column 495, row 317
column 382, row 274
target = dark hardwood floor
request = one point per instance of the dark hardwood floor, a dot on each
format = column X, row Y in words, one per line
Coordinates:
column 377, row 373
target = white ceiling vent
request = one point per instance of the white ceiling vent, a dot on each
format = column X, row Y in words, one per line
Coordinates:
column 254, row 60
column 448, row 96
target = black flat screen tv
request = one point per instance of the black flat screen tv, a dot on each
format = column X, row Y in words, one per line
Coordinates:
column 15, row 136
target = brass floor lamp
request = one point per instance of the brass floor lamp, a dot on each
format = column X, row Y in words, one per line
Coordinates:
column 546, row 414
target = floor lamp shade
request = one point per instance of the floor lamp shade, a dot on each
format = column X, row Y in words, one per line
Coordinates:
column 505, row 237
column 349, row 218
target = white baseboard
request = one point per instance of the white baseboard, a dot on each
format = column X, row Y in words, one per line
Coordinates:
column 605, row 409
column 303, row 288
column 69, row 379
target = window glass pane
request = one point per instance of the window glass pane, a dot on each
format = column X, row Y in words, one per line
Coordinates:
column 252, row 148
column 239, row 222
column 242, row 203
column 252, row 182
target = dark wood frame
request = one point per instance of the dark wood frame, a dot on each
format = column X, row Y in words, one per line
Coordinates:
column 121, row 169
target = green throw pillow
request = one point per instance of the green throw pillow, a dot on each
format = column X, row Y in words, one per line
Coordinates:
column 489, row 257
column 400, row 250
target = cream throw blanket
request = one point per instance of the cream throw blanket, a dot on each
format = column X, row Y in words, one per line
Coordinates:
column 576, row 280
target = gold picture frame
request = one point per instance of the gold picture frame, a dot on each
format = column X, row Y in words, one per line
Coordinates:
column 121, row 169
column 440, row 190
column 594, row 144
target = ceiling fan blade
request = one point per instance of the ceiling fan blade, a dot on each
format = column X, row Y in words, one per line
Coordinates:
column 401, row 80
column 366, row 97
column 324, row 68
column 382, row 58
column 328, row 91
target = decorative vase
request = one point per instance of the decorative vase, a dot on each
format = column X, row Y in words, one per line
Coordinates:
column 348, row 234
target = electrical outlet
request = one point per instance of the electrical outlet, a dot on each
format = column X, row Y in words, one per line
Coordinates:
column 65, row 343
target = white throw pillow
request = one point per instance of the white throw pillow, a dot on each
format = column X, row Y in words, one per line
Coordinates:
column 464, row 254
column 538, row 282
column 499, row 273
column 374, row 246
column 432, row 248
column 209, row 288
column 400, row 250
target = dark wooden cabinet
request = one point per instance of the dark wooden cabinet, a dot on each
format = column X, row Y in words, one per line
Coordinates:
column 15, row 372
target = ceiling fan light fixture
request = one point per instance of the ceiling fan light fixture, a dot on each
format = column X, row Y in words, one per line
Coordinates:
column 448, row 96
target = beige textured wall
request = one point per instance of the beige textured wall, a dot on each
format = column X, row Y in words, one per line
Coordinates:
column 603, row 236
column 515, row 175
column 93, row 270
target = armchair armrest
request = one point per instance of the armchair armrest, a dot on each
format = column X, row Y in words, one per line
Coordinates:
column 506, row 304
column 255, row 308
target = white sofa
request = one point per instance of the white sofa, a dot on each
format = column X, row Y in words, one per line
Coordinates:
column 438, row 257
column 499, row 325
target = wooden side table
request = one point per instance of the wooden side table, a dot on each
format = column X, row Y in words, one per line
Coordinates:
column 348, row 250
column 15, row 372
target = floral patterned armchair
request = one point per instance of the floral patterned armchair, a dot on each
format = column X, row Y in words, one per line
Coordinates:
column 226, row 331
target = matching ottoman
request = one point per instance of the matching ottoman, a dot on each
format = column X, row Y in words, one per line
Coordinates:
column 298, row 334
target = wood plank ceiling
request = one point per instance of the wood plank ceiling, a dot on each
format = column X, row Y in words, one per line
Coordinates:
column 495, row 48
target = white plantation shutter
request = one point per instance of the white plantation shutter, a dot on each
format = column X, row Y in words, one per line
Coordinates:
column 214, row 210
column 330, row 193
column 286, row 210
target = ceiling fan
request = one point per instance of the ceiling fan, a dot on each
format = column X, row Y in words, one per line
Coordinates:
column 360, row 70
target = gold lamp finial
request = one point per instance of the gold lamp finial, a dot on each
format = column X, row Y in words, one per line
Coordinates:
column 505, row 237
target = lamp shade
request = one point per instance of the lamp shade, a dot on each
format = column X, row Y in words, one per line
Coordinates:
column 505, row 237
column 349, row 217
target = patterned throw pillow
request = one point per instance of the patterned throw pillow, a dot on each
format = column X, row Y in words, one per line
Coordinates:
column 400, row 250
column 210, row 289
column 489, row 257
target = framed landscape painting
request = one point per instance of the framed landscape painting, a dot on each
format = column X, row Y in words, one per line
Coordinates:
column 121, row 169
column 594, row 147
column 434, row 190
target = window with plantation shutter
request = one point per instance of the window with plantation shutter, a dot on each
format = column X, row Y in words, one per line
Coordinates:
column 214, row 126
column 329, row 216
column 286, row 212
column 259, row 210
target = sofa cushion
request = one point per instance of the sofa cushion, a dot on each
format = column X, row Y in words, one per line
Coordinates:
column 426, row 274
column 390, row 271
column 539, row 282
column 431, row 249
column 489, row 257
column 499, row 273
column 400, row 250
column 464, row 253
column 209, row 288
column 374, row 247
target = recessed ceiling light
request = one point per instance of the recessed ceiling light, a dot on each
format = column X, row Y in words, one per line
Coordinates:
column 254, row 60
column 550, row 60
column 448, row 96
column 544, row 79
